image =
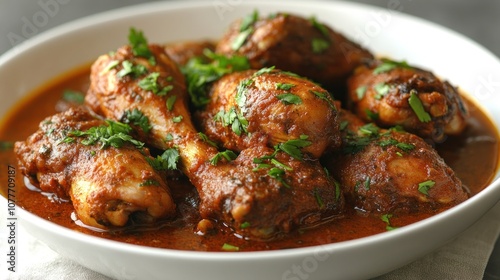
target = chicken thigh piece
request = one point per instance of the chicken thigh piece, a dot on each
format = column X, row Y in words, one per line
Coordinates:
column 259, row 193
column 108, row 179
column 392, row 171
column 270, row 107
column 293, row 43
column 393, row 93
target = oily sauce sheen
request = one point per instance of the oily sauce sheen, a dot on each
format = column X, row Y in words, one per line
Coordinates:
column 473, row 156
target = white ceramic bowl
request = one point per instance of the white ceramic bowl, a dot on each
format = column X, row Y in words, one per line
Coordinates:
column 385, row 32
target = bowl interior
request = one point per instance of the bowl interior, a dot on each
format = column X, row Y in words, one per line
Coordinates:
column 385, row 32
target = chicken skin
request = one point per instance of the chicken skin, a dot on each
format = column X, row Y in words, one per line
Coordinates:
column 392, row 171
column 270, row 107
column 293, row 43
column 259, row 193
column 393, row 93
column 109, row 186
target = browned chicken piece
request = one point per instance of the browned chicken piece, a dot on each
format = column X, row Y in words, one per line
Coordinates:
column 182, row 52
column 269, row 108
column 293, row 43
column 393, row 93
column 392, row 171
column 109, row 186
column 258, row 194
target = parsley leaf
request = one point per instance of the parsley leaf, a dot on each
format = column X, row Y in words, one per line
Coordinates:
column 166, row 161
column 114, row 134
column 417, row 107
column 130, row 69
column 324, row 96
column 289, row 98
column 425, row 186
column 386, row 218
column 388, row 65
column 139, row 45
column 319, row 45
column 6, row 145
column 237, row 122
column 150, row 82
column 73, row 96
column 246, row 28
column 227, row 154
column 284, row 86
column 200, row 73
column 292, row 147
column 381, row 89
column 136, row 117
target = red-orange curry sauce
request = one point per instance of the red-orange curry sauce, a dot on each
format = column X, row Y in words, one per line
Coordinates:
column 473, row 156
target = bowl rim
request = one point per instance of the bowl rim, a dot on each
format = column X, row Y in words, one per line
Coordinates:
column 139, row 9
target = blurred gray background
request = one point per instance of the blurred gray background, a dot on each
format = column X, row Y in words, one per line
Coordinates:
column 478, row 20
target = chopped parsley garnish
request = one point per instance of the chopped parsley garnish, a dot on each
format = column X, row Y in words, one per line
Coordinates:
column 150, row 82
column 371, row 115
column 177, row 119
column 381, row 89
column 114, row 134
column 367, row 183
column 425, row 186
column 249, row 20
column 166, row 161
column 241, row 97
column 170, row 102
column 169, row 137
column 324, row 96
column 284, row 86
column 73, row 96
column 205, row 139
column 241, row 38
column 229, row 247
column 111, row 65
column 245, row 225
column 237, row 122
column 6, row 145
column 136, row 117
column 337, row 190
column 150, row 182
column 388, row 65
column 139, row 45
column 355, row 143
column 227, row 154
column 246, row 28
column 319, row 200
column 264, row 70
column 387, row 220
column 293, row 146
column 322, row 28
column 130, row 69
column 276, row 168
column 369, row 129
column 417, row 107
column 393, row 142
column 360, row 92
column 200, row 73
column 319, row 45
column 289, row 98
column 278, row 173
